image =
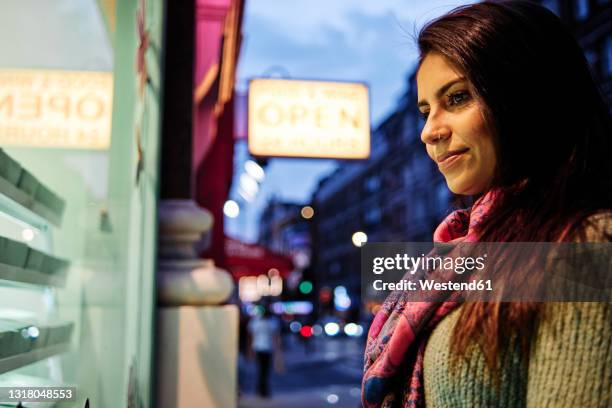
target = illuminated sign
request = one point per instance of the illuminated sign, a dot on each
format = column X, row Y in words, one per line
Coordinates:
column 56, row 108
column 295, row 118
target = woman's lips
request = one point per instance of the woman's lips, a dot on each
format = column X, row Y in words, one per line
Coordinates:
column 447, row 159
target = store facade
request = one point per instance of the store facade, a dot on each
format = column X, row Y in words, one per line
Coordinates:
column 80, row 85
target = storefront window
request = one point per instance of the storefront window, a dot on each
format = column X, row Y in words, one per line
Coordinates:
column 373, row 215
column 607, row 57
column 552, row 5
column 72, row 216
column 372, row 184
column 581, row 9
column 443, row 197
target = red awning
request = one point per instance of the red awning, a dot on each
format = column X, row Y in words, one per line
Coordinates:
column 252, row 260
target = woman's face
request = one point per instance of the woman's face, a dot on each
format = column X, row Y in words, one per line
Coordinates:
column 455, row 132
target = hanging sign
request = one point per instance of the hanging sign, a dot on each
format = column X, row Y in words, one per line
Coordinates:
column 62, row 109
column 299, row 118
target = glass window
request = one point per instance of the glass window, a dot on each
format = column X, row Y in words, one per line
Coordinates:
column 379, row 143
column 591, row 56
column 581, row 9
column 73, row 214
column 607, row 57
column 408, row 129
column 372, row 184
column 552, row 5
column 443, row 197
column 373, row 215
column 418, row 209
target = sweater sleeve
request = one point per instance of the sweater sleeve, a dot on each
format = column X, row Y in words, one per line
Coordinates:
column 570, row 363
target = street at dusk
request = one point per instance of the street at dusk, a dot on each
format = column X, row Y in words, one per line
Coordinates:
column 305, row 203
column 327, row 375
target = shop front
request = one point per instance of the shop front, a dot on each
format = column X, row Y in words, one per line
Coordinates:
column 80, row 103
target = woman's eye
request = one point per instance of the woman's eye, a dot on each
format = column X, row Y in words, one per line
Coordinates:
column 458, row 97
column 424, row 115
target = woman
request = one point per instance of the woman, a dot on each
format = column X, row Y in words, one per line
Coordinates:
column 515, row 121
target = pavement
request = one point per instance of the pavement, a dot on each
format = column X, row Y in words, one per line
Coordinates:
column 326, row 374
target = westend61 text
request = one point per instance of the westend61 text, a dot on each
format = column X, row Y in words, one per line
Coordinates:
column 428, row 284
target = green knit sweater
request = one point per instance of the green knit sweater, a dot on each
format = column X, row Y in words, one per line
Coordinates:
column 570, row 360
column 570, row 364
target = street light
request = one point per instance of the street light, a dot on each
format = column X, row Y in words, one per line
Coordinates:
column 231, row 209
column 248, row 184
column 254, row 170
column 353, row 330
column 359, row 238
column 331, row 329
column 332, row 398
column 307, row 212
column 246, row 196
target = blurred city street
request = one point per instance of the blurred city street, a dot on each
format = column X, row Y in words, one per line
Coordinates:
column 189, row 188
column 327, row 375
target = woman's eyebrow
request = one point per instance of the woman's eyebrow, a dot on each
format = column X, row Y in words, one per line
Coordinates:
column 442, row 90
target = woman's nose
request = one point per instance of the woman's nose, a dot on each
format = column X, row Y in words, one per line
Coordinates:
column 434, row 131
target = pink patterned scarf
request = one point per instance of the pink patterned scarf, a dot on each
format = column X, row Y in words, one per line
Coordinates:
column 395, row 348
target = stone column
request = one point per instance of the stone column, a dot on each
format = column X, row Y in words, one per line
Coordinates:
column 183, row 278
column 197, row 336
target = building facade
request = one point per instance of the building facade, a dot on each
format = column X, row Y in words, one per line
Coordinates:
column 278, row 224
column 285, row 230
column 591, row 23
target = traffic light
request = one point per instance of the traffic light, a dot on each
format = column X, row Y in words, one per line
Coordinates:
column 305, row 287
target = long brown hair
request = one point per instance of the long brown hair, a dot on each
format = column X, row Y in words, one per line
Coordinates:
column 552, row 134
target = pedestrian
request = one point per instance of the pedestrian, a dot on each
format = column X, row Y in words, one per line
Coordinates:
column 513, row 119
column 265, row 345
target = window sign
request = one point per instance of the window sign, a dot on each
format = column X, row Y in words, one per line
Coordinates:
column 64, row 109
column 297, row 118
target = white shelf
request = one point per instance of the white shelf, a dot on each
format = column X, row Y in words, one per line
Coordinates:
column 18, row 185
column 23, row 359
column 15, row 194
column 15, row 274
